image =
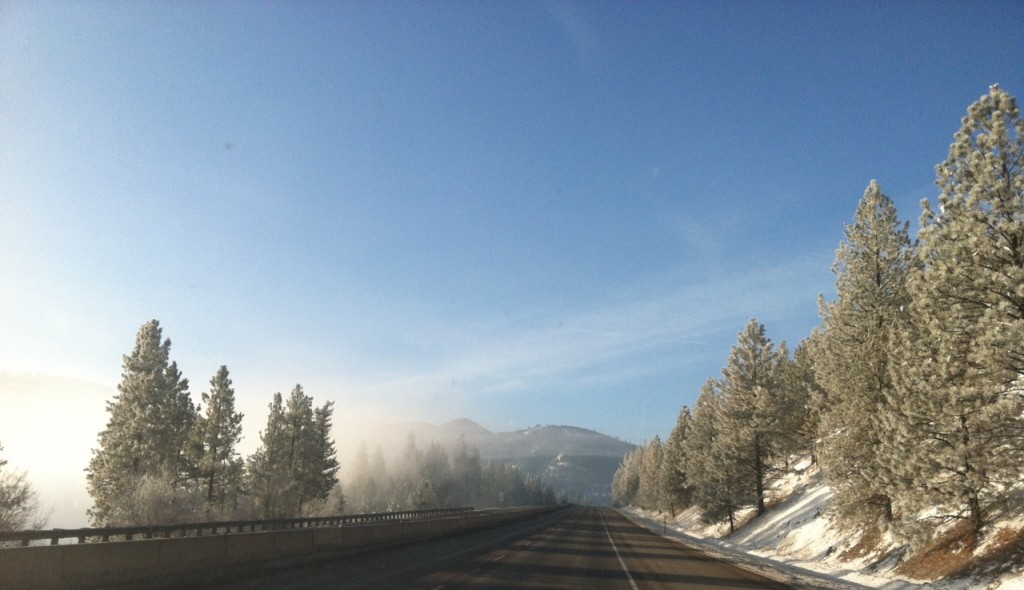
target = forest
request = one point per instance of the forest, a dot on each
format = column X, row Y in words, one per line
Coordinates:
column 909, row 395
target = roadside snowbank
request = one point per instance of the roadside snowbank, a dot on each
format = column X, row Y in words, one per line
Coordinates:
column 797, row 543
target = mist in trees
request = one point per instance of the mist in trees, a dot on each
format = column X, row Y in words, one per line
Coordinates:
column 910, row 394
column 163, row 459
column 438, row 477
column 19, row 500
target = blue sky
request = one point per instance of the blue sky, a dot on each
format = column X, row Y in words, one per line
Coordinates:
column 518, row 212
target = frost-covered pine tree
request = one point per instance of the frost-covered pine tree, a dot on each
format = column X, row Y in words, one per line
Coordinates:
column 805, row 396
column 268, row 469
column 674, row 483
column 147, row 433
column 626, row 481
column 854, row 358
column 325, row 458
column 217, row 432
column 649, row 494
column 296, row 463
column 717, row 484
column 755, row 420
column 964, row 346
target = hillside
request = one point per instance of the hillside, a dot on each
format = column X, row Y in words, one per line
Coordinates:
column 798, row 532
column 577, row 462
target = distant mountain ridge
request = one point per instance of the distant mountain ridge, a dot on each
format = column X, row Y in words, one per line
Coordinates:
column 577, row 462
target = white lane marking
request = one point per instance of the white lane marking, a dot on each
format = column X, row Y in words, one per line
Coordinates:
column 629, row 577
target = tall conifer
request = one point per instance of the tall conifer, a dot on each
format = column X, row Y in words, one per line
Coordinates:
column 854, row 358
column 147, row 433
column 718, row 486
column 964, row 348
column 217, row 433
column 754, row 417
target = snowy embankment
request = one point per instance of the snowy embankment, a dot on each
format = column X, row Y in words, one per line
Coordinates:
column 796, row 542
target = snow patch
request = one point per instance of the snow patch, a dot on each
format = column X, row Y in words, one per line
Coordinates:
column 797, row 542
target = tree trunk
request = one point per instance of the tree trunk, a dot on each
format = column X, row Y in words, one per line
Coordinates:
column 759, row 474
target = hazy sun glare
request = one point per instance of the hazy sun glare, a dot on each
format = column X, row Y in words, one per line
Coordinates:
column 42, row 428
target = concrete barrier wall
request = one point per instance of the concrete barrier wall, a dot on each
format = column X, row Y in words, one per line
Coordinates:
column 73, row 566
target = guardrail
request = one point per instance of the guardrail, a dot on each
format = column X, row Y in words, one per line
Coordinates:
column 199, row 529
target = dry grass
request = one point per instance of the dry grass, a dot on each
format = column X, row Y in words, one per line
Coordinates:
column 869, row 543
column 1007, row 549
column 950, row 555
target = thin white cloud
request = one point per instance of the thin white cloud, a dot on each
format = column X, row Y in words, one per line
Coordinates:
column 612, row 343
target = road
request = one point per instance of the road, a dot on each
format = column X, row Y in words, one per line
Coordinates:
column 584, row 548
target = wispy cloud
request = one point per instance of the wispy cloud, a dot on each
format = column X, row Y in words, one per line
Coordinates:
column 612, row 342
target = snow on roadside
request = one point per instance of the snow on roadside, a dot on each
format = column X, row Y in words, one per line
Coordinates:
column 797, row 535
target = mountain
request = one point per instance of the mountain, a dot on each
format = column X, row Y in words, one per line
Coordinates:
column 465, row 427
column 576, row 462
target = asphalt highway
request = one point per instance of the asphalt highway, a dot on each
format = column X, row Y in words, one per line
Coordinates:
column 586, row 548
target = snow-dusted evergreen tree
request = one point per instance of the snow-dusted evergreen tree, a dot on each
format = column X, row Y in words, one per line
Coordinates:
column 325, row 460
column 754, row 418
column 296, row 463
column 626, row 481
column 147, row 433
column 268, row 472
column 806, row 396
column 964, row 348
column 675, row 485
column 854, row 358
column 217, row 432
column 718, row 485
column 649, row 494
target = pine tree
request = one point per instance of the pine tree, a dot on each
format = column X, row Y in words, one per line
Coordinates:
column 806, row 396
column 147, row 433
column 268, row 471
column 674, row 482
column 718, row 485
column 853, row 364
column 325, row 461
column 626, row 481
column 753, row 417
column 297, row 464
column 217, row 433
column 964, row 345
column 649, row 494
